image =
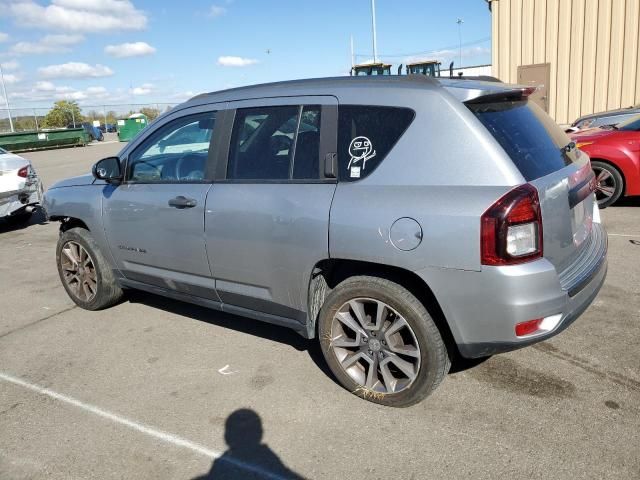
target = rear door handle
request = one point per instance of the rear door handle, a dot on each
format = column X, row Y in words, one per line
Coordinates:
column 181, row 202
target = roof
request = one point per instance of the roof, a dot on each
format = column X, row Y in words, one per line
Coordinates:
column 378, row 64
column 422, row 62
column 611, row 113
column 462, row 89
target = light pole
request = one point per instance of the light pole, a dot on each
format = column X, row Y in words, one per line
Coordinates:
column 373, row 29
column 6, row 98
column 460, row 22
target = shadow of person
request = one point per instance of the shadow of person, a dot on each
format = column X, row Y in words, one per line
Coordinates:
column 247, row 457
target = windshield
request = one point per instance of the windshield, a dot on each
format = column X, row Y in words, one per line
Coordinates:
column 2, row 150
column 633, row 124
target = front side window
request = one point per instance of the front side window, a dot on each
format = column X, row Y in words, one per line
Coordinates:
column 177, row 152
column 275, row 143
column 366, row 134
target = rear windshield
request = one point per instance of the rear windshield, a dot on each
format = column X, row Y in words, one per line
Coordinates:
column 528, row 135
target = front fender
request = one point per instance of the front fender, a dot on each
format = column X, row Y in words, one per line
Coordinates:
column 83, row 203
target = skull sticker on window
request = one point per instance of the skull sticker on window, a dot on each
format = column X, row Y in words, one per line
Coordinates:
column 360, row 150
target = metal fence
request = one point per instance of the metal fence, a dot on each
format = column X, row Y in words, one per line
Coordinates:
column 28, row 119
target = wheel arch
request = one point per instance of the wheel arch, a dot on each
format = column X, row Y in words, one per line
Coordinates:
column 328, row 273
column 67, row 223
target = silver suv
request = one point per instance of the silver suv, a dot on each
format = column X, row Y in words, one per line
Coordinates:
column 401, row 221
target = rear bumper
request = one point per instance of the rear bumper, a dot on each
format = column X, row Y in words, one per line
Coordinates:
column 16, row 200
column 482, row 308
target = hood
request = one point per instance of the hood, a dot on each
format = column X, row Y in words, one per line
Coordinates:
column 10, row 161
column 74, row 181
column 592, row 134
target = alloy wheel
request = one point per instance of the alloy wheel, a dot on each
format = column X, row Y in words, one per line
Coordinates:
column 79, row 271
column 375, row 346
column 605, row 184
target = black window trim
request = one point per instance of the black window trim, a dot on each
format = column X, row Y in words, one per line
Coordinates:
column 328, row 140
column 208, row 171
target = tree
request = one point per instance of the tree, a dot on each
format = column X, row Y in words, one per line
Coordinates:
column 112, row 117
column 150, row 112
column 62, row 114
column 94, row 115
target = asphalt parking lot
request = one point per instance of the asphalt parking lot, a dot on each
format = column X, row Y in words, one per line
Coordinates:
column 152, row 388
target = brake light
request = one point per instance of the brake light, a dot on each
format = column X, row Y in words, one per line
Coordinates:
column 511, row 229
column 23, row 172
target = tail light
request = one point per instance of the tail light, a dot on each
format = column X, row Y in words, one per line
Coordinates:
column 511, row 229
column 23, row 172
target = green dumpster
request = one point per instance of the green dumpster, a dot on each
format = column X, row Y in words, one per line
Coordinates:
column 43, row 139
column 130, row 127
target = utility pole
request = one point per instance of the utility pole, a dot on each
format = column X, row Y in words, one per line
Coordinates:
column 352, row 55
column 6, row 99
column 460, row 22
column 373, row 28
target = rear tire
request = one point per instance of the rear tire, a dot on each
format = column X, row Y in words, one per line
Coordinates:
column 84, row 272
column 610, row 184
column 381, row 343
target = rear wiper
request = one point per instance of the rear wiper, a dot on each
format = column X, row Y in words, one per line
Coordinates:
column 568, row 147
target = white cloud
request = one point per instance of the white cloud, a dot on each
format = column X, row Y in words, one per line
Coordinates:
column 216, row 11
column 182, row 96
column 4, row 37
column 95, row 16
column 10, row 65
column 10, row 78
column 47, row 44
column 135, row 49
column 44, row 86
column 230, row 61
column 144, row 89
column 96, row 90
column 75, row 70
column 71, row 95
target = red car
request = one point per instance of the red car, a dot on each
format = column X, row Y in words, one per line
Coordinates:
column 615, row 159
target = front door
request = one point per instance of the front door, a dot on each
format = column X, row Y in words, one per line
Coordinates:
column 536, row 76
column 154, row 220
column 267, row 218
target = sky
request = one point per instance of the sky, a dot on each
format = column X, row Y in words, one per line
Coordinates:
column 145, row 51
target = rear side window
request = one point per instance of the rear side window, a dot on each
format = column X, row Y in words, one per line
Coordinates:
column 275, row 143
column 528, row 135
column 366, row 134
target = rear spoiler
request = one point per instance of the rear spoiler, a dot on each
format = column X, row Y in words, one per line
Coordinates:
column 477, row 91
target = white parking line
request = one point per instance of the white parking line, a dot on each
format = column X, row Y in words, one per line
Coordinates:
column 103, row 143
column 138, row 427
column 622, row 235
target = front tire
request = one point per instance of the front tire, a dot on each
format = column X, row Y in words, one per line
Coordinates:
column 610, row 184
column 381, row 343
column 84, row 272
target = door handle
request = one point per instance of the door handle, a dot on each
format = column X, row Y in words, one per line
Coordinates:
column 181, row 202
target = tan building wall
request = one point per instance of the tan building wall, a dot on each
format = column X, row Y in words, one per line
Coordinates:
column 592, row 48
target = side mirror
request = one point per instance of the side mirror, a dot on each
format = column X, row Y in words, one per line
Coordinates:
column 108, row 169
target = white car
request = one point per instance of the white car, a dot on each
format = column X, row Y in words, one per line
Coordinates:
column 20, row 188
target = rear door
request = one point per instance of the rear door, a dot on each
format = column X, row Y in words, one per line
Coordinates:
column 267, row 216
column 548, row 160
column 154, row 220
